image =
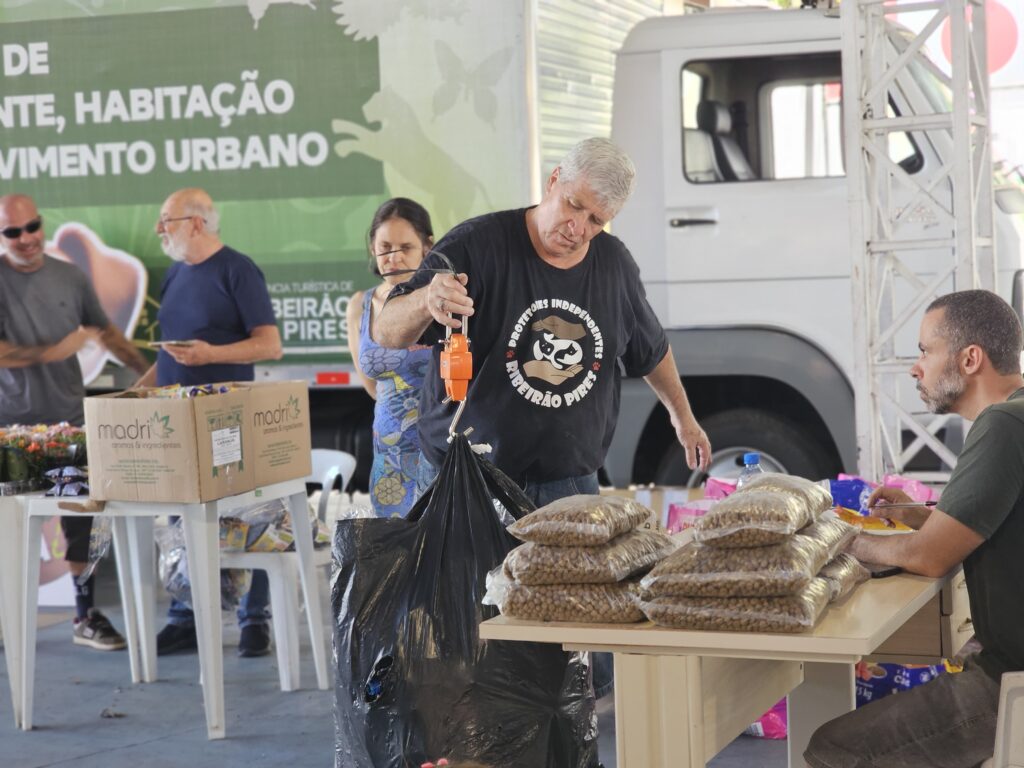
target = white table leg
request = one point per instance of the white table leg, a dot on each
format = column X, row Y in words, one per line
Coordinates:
column 202, row 528
column 140, row 559
column 826, row 693
column 659, row 720
column 285, row 618
column 11, row 565
column 122, row 548
column 30, row 600
column 310, row 586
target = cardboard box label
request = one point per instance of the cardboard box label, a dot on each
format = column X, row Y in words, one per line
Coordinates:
column 226, row 446
column 281, row 431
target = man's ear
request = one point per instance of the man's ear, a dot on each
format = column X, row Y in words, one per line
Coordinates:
column 552, row 179
column 971, row 358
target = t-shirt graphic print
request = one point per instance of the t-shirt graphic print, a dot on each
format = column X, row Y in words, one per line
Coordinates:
column 554, row 353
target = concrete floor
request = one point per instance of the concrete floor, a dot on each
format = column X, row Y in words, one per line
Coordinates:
column 89, row 715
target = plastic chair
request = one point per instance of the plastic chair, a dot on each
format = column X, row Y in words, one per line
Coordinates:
column 282, row 573
column 1009, row 749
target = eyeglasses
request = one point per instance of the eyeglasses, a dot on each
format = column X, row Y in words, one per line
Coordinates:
column 13, row 233
column 165, row 222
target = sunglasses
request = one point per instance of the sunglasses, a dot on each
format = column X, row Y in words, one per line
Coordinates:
column 13, row 233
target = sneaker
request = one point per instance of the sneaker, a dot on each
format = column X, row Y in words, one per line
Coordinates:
column 255, row 641
column 95, row 631
column 175, row 638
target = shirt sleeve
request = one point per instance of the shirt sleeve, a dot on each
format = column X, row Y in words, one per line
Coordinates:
column 989, row 476
column 249, row 289
column 92, row 311
column 451, row 252
column 647, row 343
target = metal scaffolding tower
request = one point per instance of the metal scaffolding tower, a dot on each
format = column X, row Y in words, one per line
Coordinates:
column 917, row 240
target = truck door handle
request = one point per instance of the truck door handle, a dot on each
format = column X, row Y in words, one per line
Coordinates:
column 681, row 223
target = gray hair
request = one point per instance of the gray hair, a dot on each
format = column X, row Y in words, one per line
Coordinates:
column 607, row 170
column 982, row 318
column 206, row 211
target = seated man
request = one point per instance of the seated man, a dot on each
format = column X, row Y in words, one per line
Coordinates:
column 970, row 364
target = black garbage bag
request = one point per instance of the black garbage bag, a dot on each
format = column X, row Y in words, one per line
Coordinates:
column 414, row 681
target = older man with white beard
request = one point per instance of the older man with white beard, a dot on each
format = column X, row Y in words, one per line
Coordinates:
column 214, row 302
column 970, row 364
column 48, row 311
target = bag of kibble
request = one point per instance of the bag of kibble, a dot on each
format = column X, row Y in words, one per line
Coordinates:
column 588, row 603
column 843, row 574
column 752, row 519
column 816, row 497
column 697, row 570
column 795, row 613
column 580, row 521
column 624, row 555
column 834, row 533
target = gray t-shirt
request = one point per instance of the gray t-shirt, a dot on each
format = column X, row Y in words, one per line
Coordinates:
column 39, row 309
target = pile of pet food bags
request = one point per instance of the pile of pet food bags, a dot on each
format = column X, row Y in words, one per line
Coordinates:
column 581, row 562
column 762, row 560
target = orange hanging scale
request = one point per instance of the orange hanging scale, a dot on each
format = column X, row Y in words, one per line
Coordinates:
column 456, row 369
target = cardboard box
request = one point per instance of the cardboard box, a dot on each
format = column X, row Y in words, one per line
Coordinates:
column 658, row 498
column 199, row 449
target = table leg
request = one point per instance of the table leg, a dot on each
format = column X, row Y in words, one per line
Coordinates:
column 826, row 693
column 202, row 529
column 30, row 600
column 140, row 558
column 11, row 595
column 119, row 530
column 310, row 586
column 659, row 720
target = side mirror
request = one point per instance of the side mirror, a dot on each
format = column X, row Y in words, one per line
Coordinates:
column 1010, row 199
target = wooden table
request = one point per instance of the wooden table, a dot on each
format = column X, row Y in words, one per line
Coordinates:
column 681, row 695
column 22, row 518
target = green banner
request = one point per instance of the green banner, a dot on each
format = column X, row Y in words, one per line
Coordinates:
column 125, row 109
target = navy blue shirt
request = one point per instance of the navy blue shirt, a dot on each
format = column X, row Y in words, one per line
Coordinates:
column 218, row 301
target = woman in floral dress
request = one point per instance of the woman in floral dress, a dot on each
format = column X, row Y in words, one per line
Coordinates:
column 400, row 236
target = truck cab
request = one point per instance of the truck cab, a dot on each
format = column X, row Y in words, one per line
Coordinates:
column 740, row 225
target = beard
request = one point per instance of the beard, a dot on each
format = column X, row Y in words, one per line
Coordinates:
column 947, row 390
column 173, row 250
column 21, row 262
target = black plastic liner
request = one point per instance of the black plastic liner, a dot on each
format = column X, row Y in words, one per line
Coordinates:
column 414, row 681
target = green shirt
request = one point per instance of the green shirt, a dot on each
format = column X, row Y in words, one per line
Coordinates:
column 986, row 493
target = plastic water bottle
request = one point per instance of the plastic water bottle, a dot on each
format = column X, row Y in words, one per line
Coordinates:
column 751, row 468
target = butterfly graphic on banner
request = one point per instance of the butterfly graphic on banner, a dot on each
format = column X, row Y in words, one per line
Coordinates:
column 477, row 83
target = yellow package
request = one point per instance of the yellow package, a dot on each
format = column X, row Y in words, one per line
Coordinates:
column 869, row 523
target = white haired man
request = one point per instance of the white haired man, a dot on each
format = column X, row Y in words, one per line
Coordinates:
column 557, row 307
column 216, row 299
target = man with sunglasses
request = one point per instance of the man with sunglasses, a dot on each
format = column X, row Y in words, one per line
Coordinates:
column 214, row 301
column 48, row 312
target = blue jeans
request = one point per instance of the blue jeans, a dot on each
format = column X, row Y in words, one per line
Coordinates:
column 252, row 608
column 541, row 494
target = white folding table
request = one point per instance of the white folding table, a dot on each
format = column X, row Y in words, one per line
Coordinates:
column 133, row 541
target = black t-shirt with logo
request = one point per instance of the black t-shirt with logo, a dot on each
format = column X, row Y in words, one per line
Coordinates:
column 547, row 348
column 986, row 493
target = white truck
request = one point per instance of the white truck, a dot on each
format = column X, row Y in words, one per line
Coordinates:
column 740, row 225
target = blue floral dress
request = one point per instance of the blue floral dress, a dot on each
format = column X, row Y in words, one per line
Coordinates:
column 396, row 446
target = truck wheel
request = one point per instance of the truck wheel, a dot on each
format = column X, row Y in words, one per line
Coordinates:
column 783, row 445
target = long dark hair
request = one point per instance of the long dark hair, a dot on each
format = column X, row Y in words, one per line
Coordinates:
column 399, row 208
